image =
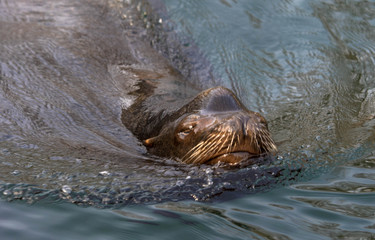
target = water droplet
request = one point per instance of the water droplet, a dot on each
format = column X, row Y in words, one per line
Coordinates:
column 208, row 171
column 104, row 173
column 7, row 192
column 209, row 183
column 66, row 189
column 16, row 172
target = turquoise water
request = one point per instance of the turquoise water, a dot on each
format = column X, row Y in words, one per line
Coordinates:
column 69, row 169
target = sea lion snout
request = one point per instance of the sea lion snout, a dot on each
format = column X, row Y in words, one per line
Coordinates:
column 226, row 136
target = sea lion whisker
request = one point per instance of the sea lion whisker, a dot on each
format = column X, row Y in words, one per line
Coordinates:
column 264, row 141
column 207, row 150
column 222, row 136
column 271, row 144
column 256, row 141
column 230, row 146
column 202, row 146
column 195, row 158
column 212, row 137
column 209, row 146
column 223, row 144
column 199, row 149
column 192, row 152
column 268, row 142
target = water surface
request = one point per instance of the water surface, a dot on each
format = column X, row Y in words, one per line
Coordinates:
column 66, row 70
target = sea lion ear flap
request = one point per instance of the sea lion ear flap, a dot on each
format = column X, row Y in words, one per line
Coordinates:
column 149, row 142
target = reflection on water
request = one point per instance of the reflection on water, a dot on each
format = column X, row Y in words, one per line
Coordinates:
column 67, row 66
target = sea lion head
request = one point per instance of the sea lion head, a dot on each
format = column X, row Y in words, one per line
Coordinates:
column 214, row 127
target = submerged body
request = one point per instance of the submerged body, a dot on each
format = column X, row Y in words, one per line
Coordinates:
column 207, row 128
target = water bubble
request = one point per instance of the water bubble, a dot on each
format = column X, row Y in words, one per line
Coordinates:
column 104, row 173
column 7, row 192
column 209, row 183
column 66, row 189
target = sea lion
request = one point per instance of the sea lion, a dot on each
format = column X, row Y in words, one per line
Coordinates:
column 211, row 127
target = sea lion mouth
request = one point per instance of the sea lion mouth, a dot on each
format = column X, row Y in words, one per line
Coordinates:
column 232, row 158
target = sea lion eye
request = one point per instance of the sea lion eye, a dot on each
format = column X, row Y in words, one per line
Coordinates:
column 185, row 131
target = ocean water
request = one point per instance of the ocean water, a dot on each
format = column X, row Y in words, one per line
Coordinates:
column 70, row 170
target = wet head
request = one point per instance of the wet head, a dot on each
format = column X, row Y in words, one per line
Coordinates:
column 214, row 127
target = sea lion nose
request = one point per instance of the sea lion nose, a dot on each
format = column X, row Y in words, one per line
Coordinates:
column 221, row 99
